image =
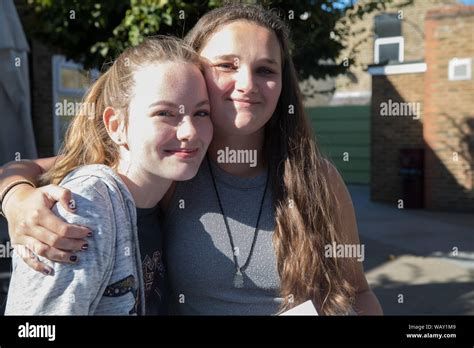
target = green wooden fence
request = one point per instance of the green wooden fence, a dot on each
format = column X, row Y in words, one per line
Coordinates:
column 343, row 134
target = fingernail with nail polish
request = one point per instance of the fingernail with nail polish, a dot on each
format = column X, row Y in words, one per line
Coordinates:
column 85, row 246
column 89, row 234
column 73, row 258
column 46, row 271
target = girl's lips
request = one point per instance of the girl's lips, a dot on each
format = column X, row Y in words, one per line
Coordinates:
column 183, row 153
column 243, row 102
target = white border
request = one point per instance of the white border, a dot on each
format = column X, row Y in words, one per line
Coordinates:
column 389, row 40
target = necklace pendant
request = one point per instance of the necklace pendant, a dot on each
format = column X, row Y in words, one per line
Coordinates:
column 238, row 279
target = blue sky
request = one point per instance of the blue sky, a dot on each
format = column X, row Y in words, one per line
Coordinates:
column 468, row 2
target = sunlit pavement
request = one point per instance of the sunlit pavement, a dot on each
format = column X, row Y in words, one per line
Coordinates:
column 416, row 261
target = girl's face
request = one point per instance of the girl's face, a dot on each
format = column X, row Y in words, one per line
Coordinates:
column 169, row 128
column 243, row 76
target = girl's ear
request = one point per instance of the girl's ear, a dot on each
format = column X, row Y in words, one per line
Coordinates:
column 115, row 125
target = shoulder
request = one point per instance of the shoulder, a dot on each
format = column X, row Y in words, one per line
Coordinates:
column 92, row 173
column 100, row 196
column 95, row 179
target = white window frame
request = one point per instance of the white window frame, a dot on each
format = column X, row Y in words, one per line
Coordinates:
column 455, row 62
column 59, row 62
column 389, row 40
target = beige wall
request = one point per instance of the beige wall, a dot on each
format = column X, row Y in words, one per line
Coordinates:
column 449, row 116
column 445, row 129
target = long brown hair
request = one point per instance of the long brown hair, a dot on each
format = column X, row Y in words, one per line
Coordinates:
column 86, row 140
column 304, row 204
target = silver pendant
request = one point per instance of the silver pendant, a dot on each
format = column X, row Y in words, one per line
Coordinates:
column 238, row 279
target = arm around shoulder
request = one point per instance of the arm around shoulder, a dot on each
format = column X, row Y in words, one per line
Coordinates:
column 74, row 289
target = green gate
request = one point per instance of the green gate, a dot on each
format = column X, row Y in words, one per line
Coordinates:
column 343, row 134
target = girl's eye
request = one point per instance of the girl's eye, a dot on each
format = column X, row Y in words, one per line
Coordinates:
column 265, row 71
column 226, row 66
column 202, row 113
column 165, row 113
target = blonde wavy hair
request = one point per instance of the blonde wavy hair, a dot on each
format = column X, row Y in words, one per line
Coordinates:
column 305, row 207
column 86, row 140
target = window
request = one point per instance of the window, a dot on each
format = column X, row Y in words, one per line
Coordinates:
column 388, row 48
column 459, row 69
column 389, row 42
column 70, row 83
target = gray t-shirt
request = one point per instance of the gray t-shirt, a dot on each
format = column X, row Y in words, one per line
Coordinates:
column 198, row 252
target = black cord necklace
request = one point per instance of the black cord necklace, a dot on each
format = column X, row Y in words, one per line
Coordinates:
column 238, row 277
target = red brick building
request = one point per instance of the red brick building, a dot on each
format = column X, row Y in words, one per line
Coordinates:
column 427, row 107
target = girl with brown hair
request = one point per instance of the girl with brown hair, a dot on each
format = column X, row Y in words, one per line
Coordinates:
column 243, row 236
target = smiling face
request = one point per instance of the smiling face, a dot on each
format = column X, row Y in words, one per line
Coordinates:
column 243, row 76
column 169, row 128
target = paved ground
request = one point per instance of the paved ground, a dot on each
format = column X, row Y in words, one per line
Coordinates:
column 417, row 261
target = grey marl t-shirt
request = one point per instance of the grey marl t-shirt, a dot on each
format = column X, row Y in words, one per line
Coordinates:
column 198, row 253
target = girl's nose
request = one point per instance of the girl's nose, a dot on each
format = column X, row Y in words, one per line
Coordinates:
column 244, row 80
column 186, row 130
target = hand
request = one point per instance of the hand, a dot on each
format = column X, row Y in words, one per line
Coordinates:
column 33, row 225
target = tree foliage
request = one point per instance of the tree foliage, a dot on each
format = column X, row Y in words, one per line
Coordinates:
column 94, row 31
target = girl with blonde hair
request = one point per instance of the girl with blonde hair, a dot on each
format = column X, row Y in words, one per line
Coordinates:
column 118, row 162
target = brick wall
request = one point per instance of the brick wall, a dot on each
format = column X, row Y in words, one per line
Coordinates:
column 358, row 80
column 446, row 128
column 390, row 134
column 449, row 117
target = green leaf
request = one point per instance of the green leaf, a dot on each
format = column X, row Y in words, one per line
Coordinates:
column 103, row 51
column 167, row 19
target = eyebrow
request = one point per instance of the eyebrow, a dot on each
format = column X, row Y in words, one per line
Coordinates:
column 164, row 103
column 173, row 105
column 202, row 103
column 233, row 56
column 269, row 61
column 226, row 56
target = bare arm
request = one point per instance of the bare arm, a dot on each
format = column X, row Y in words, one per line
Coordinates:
column 26, row 169
column 19, row 170
column 366, row 303
column 30, row 220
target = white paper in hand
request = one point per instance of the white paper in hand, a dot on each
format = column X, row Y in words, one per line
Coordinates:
column 306, row 308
